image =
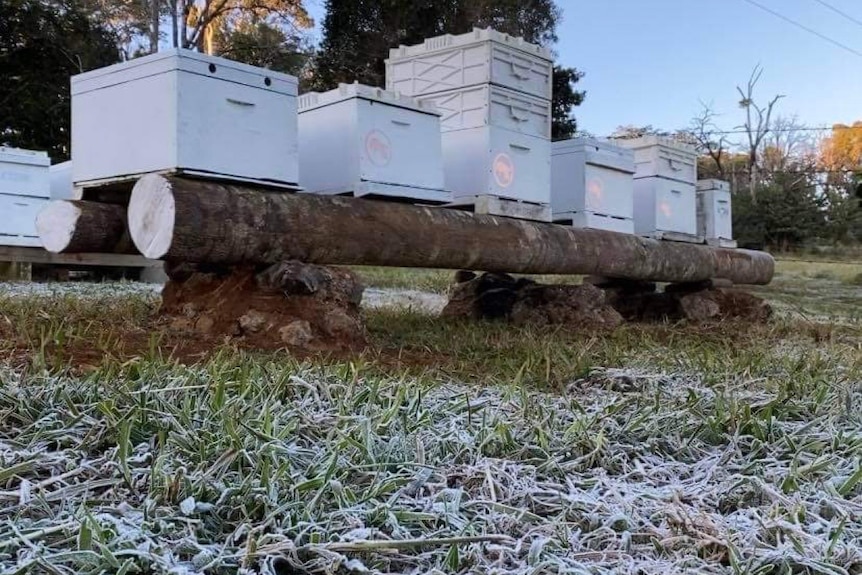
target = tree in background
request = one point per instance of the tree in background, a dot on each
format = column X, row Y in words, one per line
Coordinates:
column 262, row 44
column 758, row 122
column 357, row 36
column 630, row 132
column 43, row 43
column 566, row 97
column 709, row 141
column 204, row 25
column 841, row 160
column 841, row 152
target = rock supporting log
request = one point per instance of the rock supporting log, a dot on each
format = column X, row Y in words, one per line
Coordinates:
column 204, row 221
column 71, row 226
column 289, row 304
column 524, row 302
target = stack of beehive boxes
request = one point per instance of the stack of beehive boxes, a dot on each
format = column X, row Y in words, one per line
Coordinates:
column 665, row 202
column 591, row 185
column 369, row 142
column 494, row 93
column 24, row 190
column 714, row 214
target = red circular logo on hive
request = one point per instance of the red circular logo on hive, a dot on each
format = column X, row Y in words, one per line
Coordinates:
column 665, row 209
column 595, row 193
column 378, row 148
column 504, row 170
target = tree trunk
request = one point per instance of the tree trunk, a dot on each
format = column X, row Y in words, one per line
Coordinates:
column 72, row 226
column 155, row 21
column 175, row 25
column 208, row 222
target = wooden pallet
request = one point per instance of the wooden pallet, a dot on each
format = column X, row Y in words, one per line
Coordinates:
column 497, row 206
column 393, row 193
column 676, row 237
column 33, row 255
column 118, row 190
column 721, row 243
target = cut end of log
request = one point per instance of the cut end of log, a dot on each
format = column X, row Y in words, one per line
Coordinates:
column 152, row 213
column 56, row 224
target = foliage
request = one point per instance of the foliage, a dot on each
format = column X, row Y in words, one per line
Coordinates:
column 786, row 213
column 843, row 149
column 631, row 131
column 199, row 24
column 357, row 36
column 264, row 45
column 43, row 43
column 566, row 97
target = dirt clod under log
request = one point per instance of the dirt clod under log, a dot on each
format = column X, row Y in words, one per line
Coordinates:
column 597, row 303
column 288, row 304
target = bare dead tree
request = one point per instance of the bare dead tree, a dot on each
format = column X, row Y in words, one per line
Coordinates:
column 757, row 124
column 789, row 143
column 703, row 131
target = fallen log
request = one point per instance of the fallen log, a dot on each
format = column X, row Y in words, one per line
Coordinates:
column 204, row 221
column 73, row 226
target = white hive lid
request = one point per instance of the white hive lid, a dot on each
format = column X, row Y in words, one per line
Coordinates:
column 478, row 35
column 345, row 92
column 187, row 61
column 654, row 141
column 713, row 184
column 597, row 152
column 592, row 144
column 22, row 156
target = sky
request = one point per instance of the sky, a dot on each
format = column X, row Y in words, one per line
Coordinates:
column 654, row 61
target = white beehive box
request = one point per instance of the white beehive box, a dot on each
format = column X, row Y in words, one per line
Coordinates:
column 497, row 162
column 367, row 141
column 489, row 105
column 181, row 111
column 714, row 214
column 588, row 175
column 24, row 172
column 664, row 207
column 663, row 157
column 479, row 57
column 18, row 222
column 61, row 181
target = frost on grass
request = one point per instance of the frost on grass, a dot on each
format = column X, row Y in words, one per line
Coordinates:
column 256, row 467
column 419, row 301
column 78, row 289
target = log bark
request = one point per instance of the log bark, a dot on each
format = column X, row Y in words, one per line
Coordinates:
column 204, row 221
column 73, row 226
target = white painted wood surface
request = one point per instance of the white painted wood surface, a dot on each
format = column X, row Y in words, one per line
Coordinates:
column 61, row 181
column 593, row 176
column 18, row 221
column 498, row 162
column 365, row 140
column 482, row 56
column 181, row 111
column 490, row 105
column 664, row 205
column 24, row 172
column 593, row 221
column 657, row 156
column 714, row 210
